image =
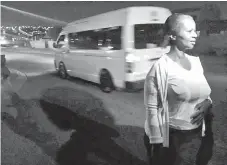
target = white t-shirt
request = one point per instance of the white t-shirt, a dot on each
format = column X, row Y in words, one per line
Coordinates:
column 186, row 88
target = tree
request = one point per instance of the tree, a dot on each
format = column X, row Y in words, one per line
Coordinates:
column 210, row 12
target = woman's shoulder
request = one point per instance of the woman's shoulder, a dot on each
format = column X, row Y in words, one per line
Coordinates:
column 160, row 63
column 162, row 60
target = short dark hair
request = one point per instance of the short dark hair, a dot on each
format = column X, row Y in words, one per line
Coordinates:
column 172, row 25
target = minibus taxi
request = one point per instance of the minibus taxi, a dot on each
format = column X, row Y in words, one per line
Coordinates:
column 114, row 49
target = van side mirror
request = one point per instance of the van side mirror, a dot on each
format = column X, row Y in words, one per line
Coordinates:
column 61, row 43
column 54, row 45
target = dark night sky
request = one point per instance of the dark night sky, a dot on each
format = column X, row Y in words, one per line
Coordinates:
column 72, row 10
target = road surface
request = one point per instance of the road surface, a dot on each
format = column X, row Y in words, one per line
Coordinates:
column 73, row 121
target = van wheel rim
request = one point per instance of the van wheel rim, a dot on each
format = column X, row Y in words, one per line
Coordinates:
column 106, row 83
column 62, row 71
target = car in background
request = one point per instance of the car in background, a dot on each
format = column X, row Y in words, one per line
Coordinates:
column 4, row 42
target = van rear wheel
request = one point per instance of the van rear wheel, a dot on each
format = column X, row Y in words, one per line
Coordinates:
column 106, row 83
column 62, row 71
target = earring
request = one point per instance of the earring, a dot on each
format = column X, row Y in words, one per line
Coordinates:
column 172, row 37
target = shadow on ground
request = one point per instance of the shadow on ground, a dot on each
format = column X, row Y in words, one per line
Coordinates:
column 81, row 81
column 94, row 138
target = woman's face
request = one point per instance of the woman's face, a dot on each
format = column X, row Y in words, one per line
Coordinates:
column 186, row 34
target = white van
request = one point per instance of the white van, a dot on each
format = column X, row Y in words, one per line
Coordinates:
column 115, row 49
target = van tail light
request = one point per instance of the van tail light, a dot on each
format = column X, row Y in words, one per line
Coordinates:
column 130, row 59
column 129, row 67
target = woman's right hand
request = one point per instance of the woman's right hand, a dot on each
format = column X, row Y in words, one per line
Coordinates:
column 201, row 110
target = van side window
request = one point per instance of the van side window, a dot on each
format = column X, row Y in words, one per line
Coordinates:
column 110, row 38
column 61, row 38
column 148, row 35
column 83, row 40
column 73, row 40
column 107, row 38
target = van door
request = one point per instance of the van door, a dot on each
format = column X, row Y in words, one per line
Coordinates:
column 76, row 56
column 112, row 55
column 60, row 44
column 63, row 54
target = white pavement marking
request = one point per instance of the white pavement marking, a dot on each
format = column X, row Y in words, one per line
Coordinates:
column 30, row 58
column 33, row 74
column 29, row 51
column 12, row 111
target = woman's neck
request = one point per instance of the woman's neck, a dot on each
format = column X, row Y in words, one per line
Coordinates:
column 176, row 54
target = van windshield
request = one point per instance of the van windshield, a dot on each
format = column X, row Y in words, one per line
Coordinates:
column 148, row 35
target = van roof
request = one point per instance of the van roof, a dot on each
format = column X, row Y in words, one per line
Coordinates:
column 113, row 11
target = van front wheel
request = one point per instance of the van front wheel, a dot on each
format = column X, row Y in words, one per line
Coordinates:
column 106, row 83
column 62, row 71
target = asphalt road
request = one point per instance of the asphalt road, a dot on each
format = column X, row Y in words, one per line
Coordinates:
column 72, row 121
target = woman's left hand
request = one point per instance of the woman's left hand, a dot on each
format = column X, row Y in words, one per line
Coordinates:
column 201, row 109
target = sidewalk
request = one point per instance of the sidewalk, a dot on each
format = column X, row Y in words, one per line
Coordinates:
column 66, row 136
column 18, row 150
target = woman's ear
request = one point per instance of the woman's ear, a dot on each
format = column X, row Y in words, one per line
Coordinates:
column 172, row 37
